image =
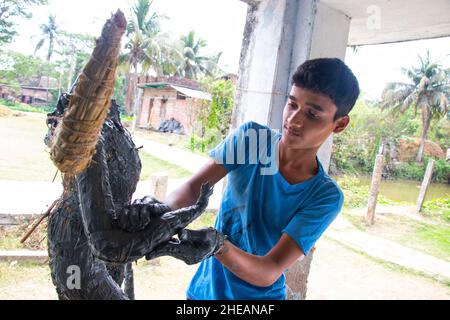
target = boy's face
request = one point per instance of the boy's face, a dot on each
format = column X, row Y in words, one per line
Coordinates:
column 308, row 119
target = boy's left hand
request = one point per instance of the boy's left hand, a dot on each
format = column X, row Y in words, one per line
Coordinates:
column 192, row 246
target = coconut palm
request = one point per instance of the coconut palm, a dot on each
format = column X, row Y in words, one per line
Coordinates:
column 193, row 64
column 428, row 91
column 143, row 49
column 49, row 34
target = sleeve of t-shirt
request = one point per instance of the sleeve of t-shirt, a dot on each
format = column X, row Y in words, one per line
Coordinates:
column 232, row 151
column 309, row 223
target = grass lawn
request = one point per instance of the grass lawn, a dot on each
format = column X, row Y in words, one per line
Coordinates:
column 167, row 138
column 24, row 157
column 152, row 165
column 23, row 154
column 170, row 139
column 429, row 236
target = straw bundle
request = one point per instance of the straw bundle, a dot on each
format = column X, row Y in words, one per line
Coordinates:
column 77, row 134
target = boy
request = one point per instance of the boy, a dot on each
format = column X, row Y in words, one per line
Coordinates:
column 273, row 217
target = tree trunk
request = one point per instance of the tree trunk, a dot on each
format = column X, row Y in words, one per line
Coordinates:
column 48, row 80
column 425, row 183
column 297, row 278
column 426, row 120
column 129, row 98
column 376, row 178
column 71, row 71
column 135, row 100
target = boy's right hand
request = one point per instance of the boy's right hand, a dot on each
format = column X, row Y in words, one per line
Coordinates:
column 192, row 246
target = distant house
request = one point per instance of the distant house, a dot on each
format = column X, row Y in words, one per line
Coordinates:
column 171, row 98
column 33, row 95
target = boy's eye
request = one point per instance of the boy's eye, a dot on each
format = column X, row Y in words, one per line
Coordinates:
column 312, row 115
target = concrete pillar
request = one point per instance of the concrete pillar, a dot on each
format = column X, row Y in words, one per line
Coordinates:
column 280, row 35
column 158, row 186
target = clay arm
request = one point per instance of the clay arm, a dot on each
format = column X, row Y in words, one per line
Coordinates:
column 192, row 246
column 99, row 212
column 140, row 213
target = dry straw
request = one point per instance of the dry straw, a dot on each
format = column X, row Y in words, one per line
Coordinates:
column 77, row 134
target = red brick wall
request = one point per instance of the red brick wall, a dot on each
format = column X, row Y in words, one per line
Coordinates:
column 181, row 110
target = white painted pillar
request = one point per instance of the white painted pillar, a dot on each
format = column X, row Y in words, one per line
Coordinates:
column 278, row 37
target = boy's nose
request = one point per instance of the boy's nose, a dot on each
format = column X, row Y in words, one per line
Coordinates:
column 295, row 119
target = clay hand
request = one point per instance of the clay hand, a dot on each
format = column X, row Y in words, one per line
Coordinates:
column 192, row 246
column 136, row 216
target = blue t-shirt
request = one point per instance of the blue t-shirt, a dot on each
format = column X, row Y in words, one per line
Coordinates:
column 258, row 206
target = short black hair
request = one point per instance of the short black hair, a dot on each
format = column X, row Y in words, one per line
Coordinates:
column 330, row 77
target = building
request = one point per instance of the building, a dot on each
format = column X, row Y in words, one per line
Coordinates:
column 34, row 95
column 171, row 98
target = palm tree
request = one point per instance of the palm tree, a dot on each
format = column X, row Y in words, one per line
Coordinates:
column 193, row 64
column 143, row 47
column 50, row 34
column 428, row 92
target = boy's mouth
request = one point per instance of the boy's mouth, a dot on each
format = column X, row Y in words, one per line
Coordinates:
column 291, row 132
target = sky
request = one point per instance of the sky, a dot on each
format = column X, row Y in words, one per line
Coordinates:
column 221, row 23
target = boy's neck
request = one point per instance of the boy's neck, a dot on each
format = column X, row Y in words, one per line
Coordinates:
column 299, row 163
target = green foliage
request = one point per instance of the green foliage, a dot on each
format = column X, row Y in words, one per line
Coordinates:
column 439, row 132
column 426, row 92
column 17, row 68
column 438, row 207
column 11, row 11
column 441, row 172
column 194, row 65
column 119, row 91
column 25, row 107
column 355, row 149
column 412, row 171
column 355, row 195
column 201, row 144
column 415, row 171
column 216, row 118
column 124, row 117
column 73, row 51
column 221, row 107
column 436, row 238
column 50, row 34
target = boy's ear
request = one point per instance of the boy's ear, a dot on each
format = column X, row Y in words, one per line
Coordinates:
column 341, row 124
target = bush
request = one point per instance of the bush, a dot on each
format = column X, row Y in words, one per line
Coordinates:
column 438, row 207
column 211, row 139
column 355, row 195
column 441, row 171
column 415, row 171
column 26, row 107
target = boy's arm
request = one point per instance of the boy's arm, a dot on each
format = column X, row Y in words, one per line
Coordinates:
column 188, row 193
column 261, row 271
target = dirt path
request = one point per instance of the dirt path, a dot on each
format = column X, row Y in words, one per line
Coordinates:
column 340, row 273
column 337, row 273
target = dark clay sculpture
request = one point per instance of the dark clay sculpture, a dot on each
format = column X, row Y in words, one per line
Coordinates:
column 96, row 229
